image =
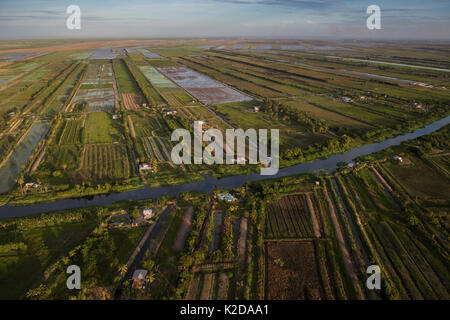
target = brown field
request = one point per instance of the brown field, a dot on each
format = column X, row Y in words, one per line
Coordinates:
column 292, row 271
column 207, row 285
column 131, row 125
column 132, row 101
column 184, row 230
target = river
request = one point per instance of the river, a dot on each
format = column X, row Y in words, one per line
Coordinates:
column 208, row 184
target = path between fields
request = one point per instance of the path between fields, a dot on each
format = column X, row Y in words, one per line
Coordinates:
column 315, row 224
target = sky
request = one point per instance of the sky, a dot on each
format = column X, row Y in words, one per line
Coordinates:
column 275, row 19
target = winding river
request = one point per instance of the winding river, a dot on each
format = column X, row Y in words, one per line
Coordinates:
column 208, row 184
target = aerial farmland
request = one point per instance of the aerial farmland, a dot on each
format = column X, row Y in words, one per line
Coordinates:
column 86, row 168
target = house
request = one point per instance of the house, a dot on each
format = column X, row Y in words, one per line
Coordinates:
column 171, row 113
column 398, row 158
column 30, row 185
column 347, row 99
column 139, row 278
column 148, row 213
column 145, row 166
column 227, row 197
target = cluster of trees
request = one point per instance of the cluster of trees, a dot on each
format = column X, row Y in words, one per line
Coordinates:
column 288, row 113
column 332, row 146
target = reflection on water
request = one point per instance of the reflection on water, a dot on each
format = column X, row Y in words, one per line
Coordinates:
column 20, row 156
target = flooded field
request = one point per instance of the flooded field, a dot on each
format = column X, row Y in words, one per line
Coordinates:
column 104, row 53
column 149, row 54
column 98, row 74
column 98, row 99
column 12, row 57
column 202, row 87
column 156, row 78
column 20, row 156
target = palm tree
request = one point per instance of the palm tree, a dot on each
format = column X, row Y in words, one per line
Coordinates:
column 151, row 277
column 123, row 269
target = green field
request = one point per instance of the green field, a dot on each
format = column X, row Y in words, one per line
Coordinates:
column 100, row 128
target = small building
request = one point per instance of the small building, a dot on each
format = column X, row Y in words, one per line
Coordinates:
column 363, row 98
column 115, row 117
column 317, row 183
column 398, row 158
column 148, row 213
column 255, row 109
column 30, row 185
column 145, row 166
column 347, row 99
column 227, row 197
column 144, row 105
column 171, row 113
column 350, row 165
column 139, row 278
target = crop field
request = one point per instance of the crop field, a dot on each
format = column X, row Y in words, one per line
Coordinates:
column 420, row 179
column 132, row 101
column 292, row 271
column 289, row 217
column 72, row 132
column 125, row 81
column 211, row 286
column 104, row 162
column 202, row 87
column 100, row 128
column 291, row 134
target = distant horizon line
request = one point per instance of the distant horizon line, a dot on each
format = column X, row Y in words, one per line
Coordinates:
column 316, row 38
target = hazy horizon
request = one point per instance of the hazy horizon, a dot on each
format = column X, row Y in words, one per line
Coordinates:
column 246, row 19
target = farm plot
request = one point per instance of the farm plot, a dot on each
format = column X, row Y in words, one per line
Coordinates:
column 100, row 128
column 156, row 78
column 98, row 74
column 184, row 229
column 72, row 132
column 289, row 217
column 104, row 162
column 20, row 155
column 292, row 271
column 144, row 125
column 217, row 221
column 96, row 99
column 202, row 87
column 211, row 286
column 149, row 54
column 132, row 101
column 102, row 54
column 419, row 178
